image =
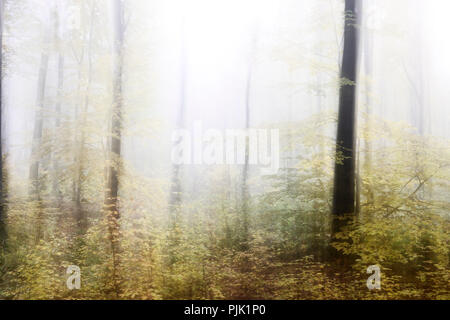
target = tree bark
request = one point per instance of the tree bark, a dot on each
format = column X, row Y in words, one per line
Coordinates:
column 2, row 195
column 112, row 188
column 344, row 173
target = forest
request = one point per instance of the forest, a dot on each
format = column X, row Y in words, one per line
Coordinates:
column 224, row 150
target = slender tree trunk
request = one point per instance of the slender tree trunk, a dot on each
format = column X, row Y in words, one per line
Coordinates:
column 112, row 188
column 79, row 213
column 59, row 97
column 344, row 173
column 175, row 193
column 2, row 189
column 244, row 236
column 245, row 196
column 175, row 197
column 418, row 97
column 318, row 247
column 358, row 179
column 38, row 123
column 55, row 184
column 290, row 137
column 80, row 60
column 368, row 66
column 36, row 157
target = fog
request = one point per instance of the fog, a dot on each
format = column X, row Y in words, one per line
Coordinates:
column 263, row 64
column 297, row 42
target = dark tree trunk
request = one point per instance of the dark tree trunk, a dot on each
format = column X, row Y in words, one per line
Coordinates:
column 2, row 195
column 344, row 173
column 112, row 187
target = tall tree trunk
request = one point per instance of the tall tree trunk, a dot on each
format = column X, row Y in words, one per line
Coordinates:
column 112, row 188
column 78, row 127
column 79, row 213
column 36, row 157
column 418, row 96
column 175, row 192
column 368, row 66
column 55, row 184
column 59, row 97
column 2, row 195
column 318, row 247
column 358, row 178
column 38, row 126
column 38, row 122
column 175, row 197
column 245, row 196
column 344, row 173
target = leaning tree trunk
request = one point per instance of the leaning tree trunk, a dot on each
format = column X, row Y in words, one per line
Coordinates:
column 344, row 173
column 112, row 188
